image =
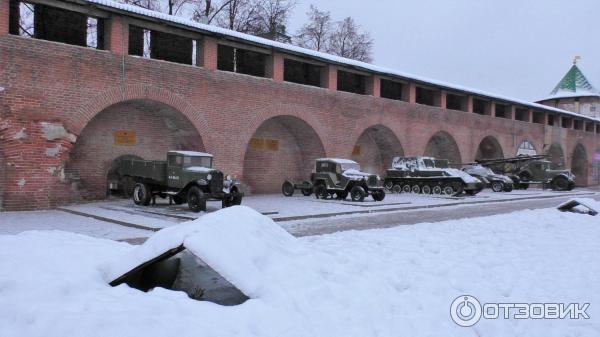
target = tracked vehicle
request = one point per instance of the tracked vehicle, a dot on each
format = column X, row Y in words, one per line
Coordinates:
column 429, row 175
column 338, row 178
column 186, row 176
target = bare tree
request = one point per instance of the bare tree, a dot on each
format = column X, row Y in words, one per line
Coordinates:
column 148, row 4
column 316, row 32
column 175, row 6
column 271, row 18
column 348, row 41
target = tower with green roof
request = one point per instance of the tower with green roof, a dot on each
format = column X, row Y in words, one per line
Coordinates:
column 575, row 93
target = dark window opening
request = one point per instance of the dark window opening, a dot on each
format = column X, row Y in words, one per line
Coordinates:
column 55, row 24
column 566, row 122
column 391, row 89
column 522, row 114
column 550, row 120
column 158, row 45
column 137, row 41
column 597, row 128
column 577, row 124
column 481, row 107
column 241, row 61
column 425, row 96
column 502, row 111
column 350, row 82
column 589, row 127
column 301, row 72
column 538, row 117
column 456, row 102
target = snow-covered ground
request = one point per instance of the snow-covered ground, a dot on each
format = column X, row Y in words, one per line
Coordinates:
column 387, row 282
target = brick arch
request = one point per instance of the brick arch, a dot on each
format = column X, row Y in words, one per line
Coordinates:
column 489, row 148
column 579, row 164
column 281, row 147
column 3, row 181
column 443, row 145
column 557, row 155
column 117, row 95
column 375, row 148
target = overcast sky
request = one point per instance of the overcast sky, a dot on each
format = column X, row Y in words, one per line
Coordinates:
column 518, row 48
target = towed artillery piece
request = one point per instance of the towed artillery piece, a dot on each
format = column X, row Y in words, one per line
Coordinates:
column 186, row 176
column 525, row 170
column 427, row 175
column 339, row 178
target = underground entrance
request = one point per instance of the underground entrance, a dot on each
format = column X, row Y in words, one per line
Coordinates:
column 283, row 147
column 132, row 129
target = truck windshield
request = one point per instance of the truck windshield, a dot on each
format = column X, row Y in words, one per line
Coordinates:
column 197, row 161
column 350, row 166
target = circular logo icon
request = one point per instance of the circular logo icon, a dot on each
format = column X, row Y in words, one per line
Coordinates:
column 465, row 310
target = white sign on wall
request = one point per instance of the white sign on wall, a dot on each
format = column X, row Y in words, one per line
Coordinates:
column 526, row 149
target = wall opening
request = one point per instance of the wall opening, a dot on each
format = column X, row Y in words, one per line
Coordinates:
column 596, row 166
column 301, row 73
column 375, row 149
column 579, row 165
column 489, row 148
column 2, row 180
column 482, row 107
column 556, row 155
column 443, row 146
column 522, row 114
column 392, row 89
column 551, row 119
column 55, row 24
column 456, row 102
column 589, row 127
column 426, row 96
column 241, row 61
column 351, row 82
column 136, row 128
column 502, row 110
column 283, row 147
column 161, row 46
column 577, row 124
column 538, row 117
column 566, row 122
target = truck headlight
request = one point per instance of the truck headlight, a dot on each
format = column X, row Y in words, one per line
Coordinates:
column 228, row 177
column 209, row 177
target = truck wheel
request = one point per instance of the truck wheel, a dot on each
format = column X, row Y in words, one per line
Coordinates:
column 426, row 189
column 357, row 193
column 321, row 192
column 560, row 184
column 306, row 191
column 378, row 195
column 236, row 197
column 508, row 188
column 497, row 186
column 524, row 178
column 196, row 199
column 436, row 190
column 287, row 188
column 142, row 194
column 397, row 189
column 226, row 201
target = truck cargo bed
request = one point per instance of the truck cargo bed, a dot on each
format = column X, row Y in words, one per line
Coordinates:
column 154, row 170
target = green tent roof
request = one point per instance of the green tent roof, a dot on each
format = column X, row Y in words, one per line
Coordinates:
column 574, row 83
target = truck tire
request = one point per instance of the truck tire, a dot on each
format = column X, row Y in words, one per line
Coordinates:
column 196, row 199
column 306, row 191
column 142, row 194
column 236, row 198
column 321, row 191
column 287, row 188
column 357, row 193
column 342, row 195
column 560, row 184
column 497, row 186
column 524, row 179
column 378, row 195
column 508, row 188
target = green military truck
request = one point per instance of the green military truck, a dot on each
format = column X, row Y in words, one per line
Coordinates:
column 186, row 176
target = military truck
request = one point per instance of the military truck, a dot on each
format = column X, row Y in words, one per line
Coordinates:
column 334, row 177
column 428, row 175
column 497, row 182
column 525, row 170
column 186, row 176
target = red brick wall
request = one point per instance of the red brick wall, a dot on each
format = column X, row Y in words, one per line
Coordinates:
column 69, row 86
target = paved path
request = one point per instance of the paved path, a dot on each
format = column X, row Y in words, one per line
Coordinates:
column 386, row 220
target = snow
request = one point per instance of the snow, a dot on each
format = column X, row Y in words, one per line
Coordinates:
column 199, row 169
column 338, row 160
column 319, row 55
column 352, row 173
column 192, row 153
column 571, row 94
column 388, row 282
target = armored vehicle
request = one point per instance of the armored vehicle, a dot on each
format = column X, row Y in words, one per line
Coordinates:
column 429, row 175
column 338, row 177
column 186, row 176
column 497, row 182
column 524, row 170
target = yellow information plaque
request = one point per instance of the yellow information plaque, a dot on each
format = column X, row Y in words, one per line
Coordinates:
column 124, row 137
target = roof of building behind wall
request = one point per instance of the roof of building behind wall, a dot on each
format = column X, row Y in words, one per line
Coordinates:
column 573, row 84
column 308, row 53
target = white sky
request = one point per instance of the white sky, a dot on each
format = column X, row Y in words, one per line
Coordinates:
column 518, row 48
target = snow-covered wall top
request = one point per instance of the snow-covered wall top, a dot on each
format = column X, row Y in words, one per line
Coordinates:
column 108, row 4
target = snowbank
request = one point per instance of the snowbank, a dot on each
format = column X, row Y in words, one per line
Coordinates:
column 389, row 282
